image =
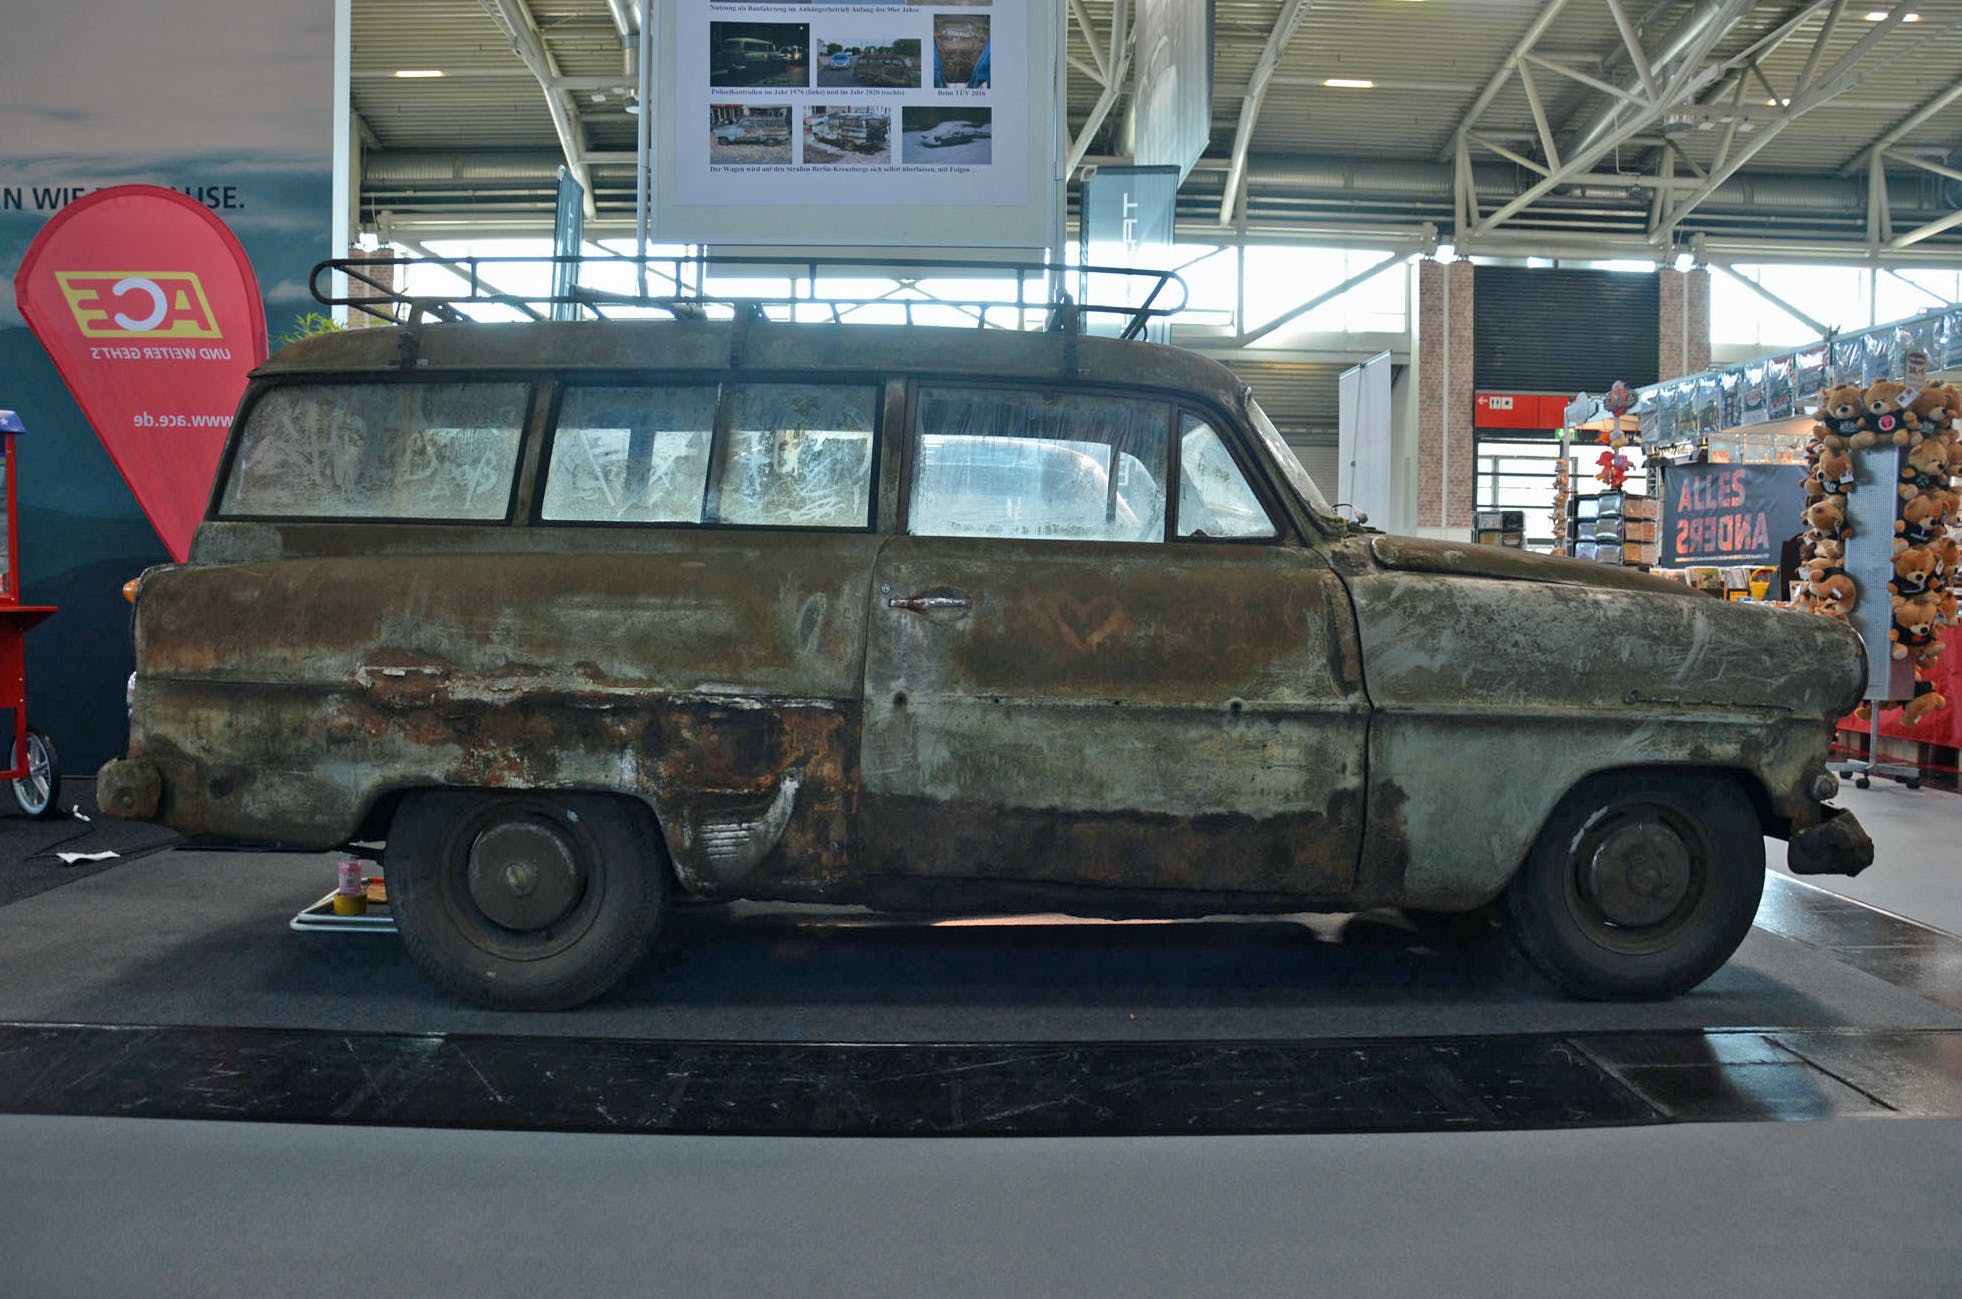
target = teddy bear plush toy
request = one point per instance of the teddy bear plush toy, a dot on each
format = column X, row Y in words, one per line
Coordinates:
column 1920, row 523
column 1887, row 416
column 1835, row 468
column 1926, row 468
column 1842, row 410
column 1914, row 571
column 1914, row 625
column 1829, row 589
column 1926, row 700
column 1827, row 517
column 1937, row 408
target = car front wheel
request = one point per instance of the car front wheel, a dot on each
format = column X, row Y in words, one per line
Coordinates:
column 1640, row 886
column 525, row 901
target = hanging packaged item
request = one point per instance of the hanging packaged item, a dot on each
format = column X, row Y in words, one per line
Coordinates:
column 1778, row 398
column 1809, row 366
column 1753, row 407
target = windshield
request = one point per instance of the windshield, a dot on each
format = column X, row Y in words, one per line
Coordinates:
column 1284, row 456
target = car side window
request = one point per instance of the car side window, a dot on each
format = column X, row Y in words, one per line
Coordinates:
column 630, row 455
column 778, row 455
column 1214, row 498
column 414, row 451
column 796, row 456
column 993, row 462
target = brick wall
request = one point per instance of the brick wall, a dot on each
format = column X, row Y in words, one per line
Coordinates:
column 1446, row 453
column 1696, row 342
column 1684, row 345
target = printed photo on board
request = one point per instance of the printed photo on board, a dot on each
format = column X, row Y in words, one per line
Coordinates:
column 960, row 50
column 963, row 136
column 748, row 134
column 759, row 54
column 853, row 133
column 879, row 53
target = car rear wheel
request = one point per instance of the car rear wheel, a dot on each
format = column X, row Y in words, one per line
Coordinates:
column 1639, row 887
column 525, row 901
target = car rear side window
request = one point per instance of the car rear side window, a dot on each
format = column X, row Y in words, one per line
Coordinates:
column 630, row 455
column 1214, row 498
column 796, row 456
column 777, row 455
column 419, row 451
column 1002, row 463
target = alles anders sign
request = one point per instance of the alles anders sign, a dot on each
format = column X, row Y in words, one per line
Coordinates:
column 152, row 315
column 1729, row 514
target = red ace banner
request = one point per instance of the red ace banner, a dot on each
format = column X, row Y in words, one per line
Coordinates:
column 151, row 312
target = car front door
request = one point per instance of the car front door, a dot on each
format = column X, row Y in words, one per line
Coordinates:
column 1064, row 685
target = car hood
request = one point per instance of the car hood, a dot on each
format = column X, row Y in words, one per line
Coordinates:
column 1674, row 645
column 1462, row 559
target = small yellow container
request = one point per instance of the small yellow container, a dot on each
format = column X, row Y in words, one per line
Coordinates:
column 355, row 904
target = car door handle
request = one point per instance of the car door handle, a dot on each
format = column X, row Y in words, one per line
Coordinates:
column 940, row 598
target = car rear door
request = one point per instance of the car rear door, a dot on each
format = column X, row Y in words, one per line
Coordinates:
column 1066, row 684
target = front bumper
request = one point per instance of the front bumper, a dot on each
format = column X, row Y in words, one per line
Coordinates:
column 1836, row 846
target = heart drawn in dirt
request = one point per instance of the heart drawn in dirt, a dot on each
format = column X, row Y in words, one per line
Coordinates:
column 1085, row 624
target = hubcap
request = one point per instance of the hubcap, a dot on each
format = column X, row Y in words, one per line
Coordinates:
column 1638, row 874
column 525, row 875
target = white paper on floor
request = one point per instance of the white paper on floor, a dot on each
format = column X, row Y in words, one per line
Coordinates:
column 70, row 858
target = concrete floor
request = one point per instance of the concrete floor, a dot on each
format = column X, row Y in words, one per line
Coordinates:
column 1917, row 870
column 105, row 1206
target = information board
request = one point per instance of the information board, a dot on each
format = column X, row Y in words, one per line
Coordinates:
column 825, row 125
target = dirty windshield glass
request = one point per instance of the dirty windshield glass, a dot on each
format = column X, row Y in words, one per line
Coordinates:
column 380, row 451
column 1284, row 456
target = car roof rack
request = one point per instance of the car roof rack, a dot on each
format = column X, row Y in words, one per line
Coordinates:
column 1031, row 295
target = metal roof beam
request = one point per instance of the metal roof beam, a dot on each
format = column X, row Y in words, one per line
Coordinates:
column 1118, row 67
column 1823, row 87
column 1102, row 75
column 1689, row 79
column 1636, row 54
column 1692, row 39
column 1285, row 26
column 515, row 17
column 1492, row 88
column 1914, row 121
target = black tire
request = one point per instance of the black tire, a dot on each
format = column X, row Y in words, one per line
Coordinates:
column 1640, row 886
column 525, row 901
column 38, row 793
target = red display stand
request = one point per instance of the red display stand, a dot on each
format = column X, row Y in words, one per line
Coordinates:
column 1944, row 725
column 32, row 767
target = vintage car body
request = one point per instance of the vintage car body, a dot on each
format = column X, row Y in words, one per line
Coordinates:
column 752, row 131
column 1323, row 719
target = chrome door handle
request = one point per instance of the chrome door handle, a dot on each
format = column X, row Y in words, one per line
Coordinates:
column 930, row 601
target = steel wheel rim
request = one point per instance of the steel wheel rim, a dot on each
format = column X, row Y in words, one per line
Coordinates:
column 1602, row 892
column 481, row 928
column 35, row 788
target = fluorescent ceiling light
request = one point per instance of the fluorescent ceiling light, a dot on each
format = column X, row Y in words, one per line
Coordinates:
column 1880, row 16
column 1347, row 83
column 418, row 72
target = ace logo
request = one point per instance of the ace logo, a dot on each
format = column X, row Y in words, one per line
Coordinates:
column 153, row 304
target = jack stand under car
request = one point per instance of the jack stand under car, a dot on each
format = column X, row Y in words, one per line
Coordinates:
column 33, row 769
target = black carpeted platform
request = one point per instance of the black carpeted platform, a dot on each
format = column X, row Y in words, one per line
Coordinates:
column 28, row 864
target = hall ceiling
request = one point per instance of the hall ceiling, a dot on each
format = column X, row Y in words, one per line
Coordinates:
column 1755, row 121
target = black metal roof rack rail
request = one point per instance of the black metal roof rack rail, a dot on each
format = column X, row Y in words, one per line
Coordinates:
column 1032, row 295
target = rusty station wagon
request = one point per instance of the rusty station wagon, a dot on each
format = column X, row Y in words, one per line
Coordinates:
column 585, row 618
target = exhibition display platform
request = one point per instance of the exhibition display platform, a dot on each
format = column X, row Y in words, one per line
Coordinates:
column 167, row 984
